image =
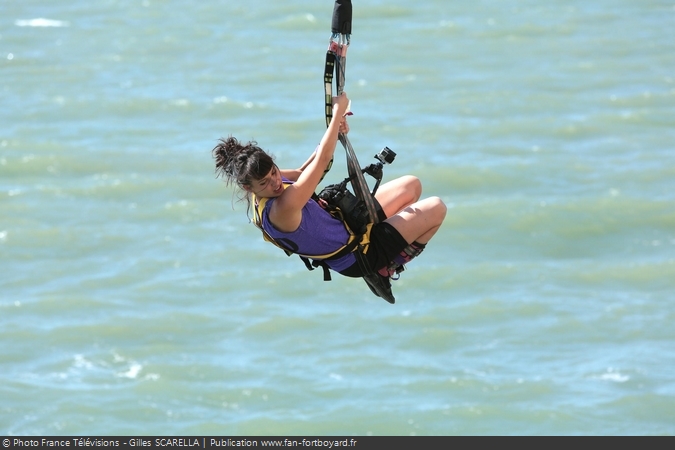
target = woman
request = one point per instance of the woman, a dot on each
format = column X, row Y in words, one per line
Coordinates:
column 295, row 221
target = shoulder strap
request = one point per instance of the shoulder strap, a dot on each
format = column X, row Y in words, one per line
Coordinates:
column 258, row 208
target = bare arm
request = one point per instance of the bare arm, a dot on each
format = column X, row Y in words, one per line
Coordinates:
column 286, row 212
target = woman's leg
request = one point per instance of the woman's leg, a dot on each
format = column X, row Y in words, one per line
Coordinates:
column 419, row 221
column 415, row 220
column 397, row 194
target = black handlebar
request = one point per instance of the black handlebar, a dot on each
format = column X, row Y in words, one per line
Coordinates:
column 342, row 17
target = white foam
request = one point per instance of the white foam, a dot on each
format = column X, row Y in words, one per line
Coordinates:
column 82, row 363
column 41, row 22
column 133, row 371
column 614, row 376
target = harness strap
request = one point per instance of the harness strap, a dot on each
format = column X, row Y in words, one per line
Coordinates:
column 328, row 81
column 316, row 263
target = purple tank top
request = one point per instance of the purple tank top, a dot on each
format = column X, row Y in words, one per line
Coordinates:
column 319, row 233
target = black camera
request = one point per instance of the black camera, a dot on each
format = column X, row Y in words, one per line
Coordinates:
column 386, row 156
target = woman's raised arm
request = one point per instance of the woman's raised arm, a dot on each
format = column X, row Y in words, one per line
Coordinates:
column 286, row 211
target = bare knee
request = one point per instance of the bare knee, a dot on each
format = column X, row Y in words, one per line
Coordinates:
column 409, row 189
column 421, row 220
column 398, row 194
column 413, row 186
column 438, row 209
column 435, row 214
column 434, row 210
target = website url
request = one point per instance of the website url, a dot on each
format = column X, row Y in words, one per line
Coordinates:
column 323, row 443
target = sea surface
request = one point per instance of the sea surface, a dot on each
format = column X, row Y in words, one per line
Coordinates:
column 137, row 299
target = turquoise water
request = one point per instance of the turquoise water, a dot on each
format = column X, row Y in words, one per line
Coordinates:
column 136, row 298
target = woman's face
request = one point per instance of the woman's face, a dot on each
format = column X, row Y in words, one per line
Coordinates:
column 269, row 186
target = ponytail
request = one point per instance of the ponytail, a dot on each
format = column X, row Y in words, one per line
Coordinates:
column 241, row 164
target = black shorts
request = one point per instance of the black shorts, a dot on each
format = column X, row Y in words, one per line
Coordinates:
column 385, row 243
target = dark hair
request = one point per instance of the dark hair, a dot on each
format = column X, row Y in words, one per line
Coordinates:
column 241, row 164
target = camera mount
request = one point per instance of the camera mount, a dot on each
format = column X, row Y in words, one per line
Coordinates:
column 385, row 156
